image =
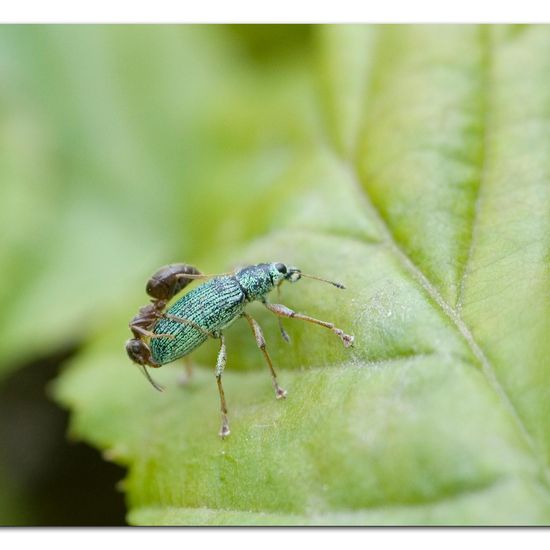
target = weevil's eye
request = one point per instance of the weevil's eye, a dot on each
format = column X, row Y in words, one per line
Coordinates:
column 281, row 268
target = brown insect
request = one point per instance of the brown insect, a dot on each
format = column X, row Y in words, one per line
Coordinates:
column 162, row 287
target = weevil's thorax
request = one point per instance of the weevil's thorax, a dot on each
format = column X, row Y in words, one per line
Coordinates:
column 258, row 280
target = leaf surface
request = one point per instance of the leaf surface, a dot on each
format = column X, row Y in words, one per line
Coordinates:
column 411, row 163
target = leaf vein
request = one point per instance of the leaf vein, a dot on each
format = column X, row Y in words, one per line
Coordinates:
column 452, row 314
column 486, row 64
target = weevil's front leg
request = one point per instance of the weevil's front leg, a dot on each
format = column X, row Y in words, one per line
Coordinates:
column 260, row 341
column 220, row 366
column 283, row 311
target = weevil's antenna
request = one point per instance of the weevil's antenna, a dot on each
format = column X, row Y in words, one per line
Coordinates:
column 337, row 285
column 148, row 376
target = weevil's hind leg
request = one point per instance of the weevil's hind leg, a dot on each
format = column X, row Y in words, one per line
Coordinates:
column 260, row 341
column 220, row 366
column 283, row 311
column 167, row 335
column 185, row 375
column 188, row 322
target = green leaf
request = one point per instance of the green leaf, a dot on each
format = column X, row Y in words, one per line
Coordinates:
column 94, row 174
column 411, row 163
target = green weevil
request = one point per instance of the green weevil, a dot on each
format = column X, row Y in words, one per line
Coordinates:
column 162, row 336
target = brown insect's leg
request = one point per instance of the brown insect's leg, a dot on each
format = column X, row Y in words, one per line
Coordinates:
column 220, row 366
column 260, row 341
column 145, row 372
column 283, row 311
column 150, row 334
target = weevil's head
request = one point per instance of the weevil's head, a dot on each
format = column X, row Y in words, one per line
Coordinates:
column 280, row 272
column 260, row 279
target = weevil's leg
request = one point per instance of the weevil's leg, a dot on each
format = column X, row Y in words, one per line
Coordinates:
column 220, row 366
column 186, row 322
column 284, row 333
column 283, row 311
column 152, row 335
column 260, row 341
column 185, row 376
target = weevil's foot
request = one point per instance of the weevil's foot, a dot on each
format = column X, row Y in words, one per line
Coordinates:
column 224, row 430
column 184, row 378
column 280, row 393
column 285, row 335
column 347, row 339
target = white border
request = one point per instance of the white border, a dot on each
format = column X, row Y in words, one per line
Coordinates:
column 270, row 538
column 279, row 11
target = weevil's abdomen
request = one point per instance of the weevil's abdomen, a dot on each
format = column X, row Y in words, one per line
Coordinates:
column 213, row 306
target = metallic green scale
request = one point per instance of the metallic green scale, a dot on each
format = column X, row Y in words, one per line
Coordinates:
column 213, row 306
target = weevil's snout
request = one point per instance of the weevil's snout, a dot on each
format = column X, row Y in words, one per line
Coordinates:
column 293, row 274
column 282, row 272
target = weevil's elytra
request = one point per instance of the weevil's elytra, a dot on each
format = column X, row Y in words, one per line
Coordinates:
column 161, row 337
column 213, row 306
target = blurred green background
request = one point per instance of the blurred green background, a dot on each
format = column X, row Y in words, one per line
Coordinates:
column 122, row 148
